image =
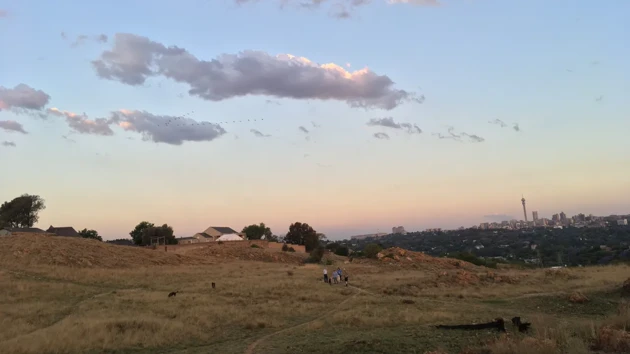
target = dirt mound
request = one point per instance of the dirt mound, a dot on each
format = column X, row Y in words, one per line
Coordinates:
column 82, row 253
column 399, row 256
column 246, row 254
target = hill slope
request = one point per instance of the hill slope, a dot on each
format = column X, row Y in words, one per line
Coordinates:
column 83, row 253
column 34, row 249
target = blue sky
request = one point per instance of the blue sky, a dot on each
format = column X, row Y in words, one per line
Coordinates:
column 557, row 69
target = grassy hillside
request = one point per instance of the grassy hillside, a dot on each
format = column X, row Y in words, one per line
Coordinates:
column 267, row 307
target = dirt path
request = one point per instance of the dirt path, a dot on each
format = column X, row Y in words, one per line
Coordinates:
column 250, row 349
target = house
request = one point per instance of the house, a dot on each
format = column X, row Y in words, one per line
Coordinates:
column 187, row 240
column 213, row 233
column 66, row 231
column 8, row 231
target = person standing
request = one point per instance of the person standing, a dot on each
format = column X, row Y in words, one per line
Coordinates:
column 325, row 275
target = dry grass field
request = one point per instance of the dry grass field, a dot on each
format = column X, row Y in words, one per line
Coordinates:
column 81, row 296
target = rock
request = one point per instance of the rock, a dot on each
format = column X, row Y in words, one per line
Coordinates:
column 578, row 298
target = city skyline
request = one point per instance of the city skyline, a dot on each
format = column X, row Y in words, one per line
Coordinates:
column 233, row 113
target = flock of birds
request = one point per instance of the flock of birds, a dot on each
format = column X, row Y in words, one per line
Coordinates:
column 180, row 121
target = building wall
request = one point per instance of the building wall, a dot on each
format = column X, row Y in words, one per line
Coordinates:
column 187, row 241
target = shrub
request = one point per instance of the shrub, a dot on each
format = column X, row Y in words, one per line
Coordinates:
column 316, row 255
column 329, row 262
column 255, row 246
column 291, row 249
column 372, row 250
column 290, row 272
column 285, row 248
column 342, row 251
column 220, row 242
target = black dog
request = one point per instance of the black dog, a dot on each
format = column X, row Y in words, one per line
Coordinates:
column 498, row 323
column 522, row 326
column 174, row 293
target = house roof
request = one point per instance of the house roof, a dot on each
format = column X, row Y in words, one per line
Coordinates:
column 203, row 234
column 63, row 231
column 186, row 238
column 224, row 230
column 27, row 229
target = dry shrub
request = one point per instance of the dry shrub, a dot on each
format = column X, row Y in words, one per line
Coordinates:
column 257, row 324
column 408, row 302
column 290, row 272
column 561, row 273
column 612, row 340
column 625, row 288
column 510, row 345
column 578, row 298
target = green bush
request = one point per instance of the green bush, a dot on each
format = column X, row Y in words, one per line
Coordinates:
column 342, row 251
column 316, row 255
column 372, row 250
column 329, row 262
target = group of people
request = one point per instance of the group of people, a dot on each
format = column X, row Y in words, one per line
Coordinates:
column 335, row 277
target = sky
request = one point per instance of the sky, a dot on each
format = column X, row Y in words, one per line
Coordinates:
column 353, row 116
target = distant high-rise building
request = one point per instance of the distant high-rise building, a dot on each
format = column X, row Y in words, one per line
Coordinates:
column 524, row 209
column 398, row 230
column 535, row 215
column 555, row 218
column 563, row 217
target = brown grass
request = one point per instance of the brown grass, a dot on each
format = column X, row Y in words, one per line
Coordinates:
column 121, row 304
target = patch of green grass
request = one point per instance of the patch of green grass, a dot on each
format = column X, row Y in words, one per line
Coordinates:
column 599, row 305
column 403, row 339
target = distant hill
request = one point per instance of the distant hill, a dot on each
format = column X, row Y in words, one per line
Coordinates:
column 542, row 246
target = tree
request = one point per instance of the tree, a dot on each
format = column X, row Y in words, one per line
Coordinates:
column 85, row 233
column 21, row 212
column 136, row 234
column 302, row 234
column 256, row 232
column 161, row 231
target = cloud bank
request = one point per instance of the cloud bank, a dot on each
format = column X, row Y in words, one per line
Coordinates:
column 80, row 123
column 8, row 144
column 341, row 9
column 12, row 126
column 154, row 128
column 389, row 122
column 133, row 59
column 381, row 136
column 259, row 134
column 22, row 99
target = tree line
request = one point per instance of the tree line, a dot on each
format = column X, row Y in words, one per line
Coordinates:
column 23, row 212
